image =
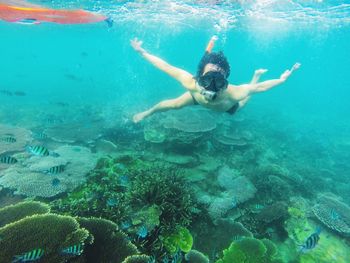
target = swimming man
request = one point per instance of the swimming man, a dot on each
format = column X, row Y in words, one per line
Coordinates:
column 210, row 87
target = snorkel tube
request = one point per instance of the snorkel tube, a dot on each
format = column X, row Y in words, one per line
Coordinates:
column 211, row 43
column 208, row 94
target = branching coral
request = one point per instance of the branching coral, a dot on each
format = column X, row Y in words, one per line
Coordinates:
column 165, row 188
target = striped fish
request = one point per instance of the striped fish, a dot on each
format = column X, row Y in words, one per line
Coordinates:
column 8, row 160
column 41, row 135
column 38, row 150
column 75, row 250
column 8, row 139
column 30, row 256
column 56, row 169
column 311, row 241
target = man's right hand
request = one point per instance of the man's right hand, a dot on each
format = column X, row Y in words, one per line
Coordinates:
column 137, row 45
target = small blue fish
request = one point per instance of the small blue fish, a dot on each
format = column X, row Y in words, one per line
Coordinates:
column 234, row 202
column 30, row 256
column 334, row 215
column 75, row 250
column 152, row 259
column 124, row 181
column 142, row 232
column 177, row 257
column 311, row 241
column 55, row 182
column 125, row 225
column 165, row 259
column 112, row 202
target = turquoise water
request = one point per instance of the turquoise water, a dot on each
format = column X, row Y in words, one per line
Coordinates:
column 91, row 69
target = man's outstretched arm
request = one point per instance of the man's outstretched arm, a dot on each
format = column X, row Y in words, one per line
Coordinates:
column 185, row 78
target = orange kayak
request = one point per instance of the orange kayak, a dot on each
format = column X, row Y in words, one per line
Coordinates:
column 35, row 15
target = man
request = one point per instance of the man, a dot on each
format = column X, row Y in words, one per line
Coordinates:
column 209, row 88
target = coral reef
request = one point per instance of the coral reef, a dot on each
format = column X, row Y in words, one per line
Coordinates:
column 334, row 214
column 272, row 213
column 148, row 201
column 137, row 259
column 328, row 249
column 181, row 239
column 220, row 205
column 18, row 211
column 189, row 120
column 100, row 238
column 209, row 238
column 195, row 256
column 110, row 244
column 229, row 134
column 22, row 138
column 165, row 188
column 249, row 250
column 90, row 131
column 226, row 176
column 31, row 177
column 241, row 188
column 49, row 232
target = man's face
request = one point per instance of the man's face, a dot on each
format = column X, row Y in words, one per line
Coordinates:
column 213, row 78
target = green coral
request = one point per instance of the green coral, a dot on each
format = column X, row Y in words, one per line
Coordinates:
column 148, row 216
column 50, row 232
column 250, row 250
column 329, row 248
column 195, row 256
column 296, row 212
column 18, row 211
column 165, row 187
column 110, row 244
column 156, row 196
column 181, row 239
column 137, row 259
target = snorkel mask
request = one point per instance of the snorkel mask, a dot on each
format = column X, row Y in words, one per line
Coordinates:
column 211, row 83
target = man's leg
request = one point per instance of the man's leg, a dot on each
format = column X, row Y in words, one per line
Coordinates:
column 182, row 101
column 255, row 79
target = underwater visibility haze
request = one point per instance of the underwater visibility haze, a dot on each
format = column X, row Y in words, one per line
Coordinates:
column 80, row 181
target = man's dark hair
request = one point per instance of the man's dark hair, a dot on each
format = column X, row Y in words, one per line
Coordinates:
column 217, row 58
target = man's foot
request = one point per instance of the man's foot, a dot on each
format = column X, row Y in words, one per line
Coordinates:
column 259, row 72
column 295, row 66
column 139, row 116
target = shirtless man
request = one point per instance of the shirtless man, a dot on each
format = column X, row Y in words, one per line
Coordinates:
column 209, row 88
